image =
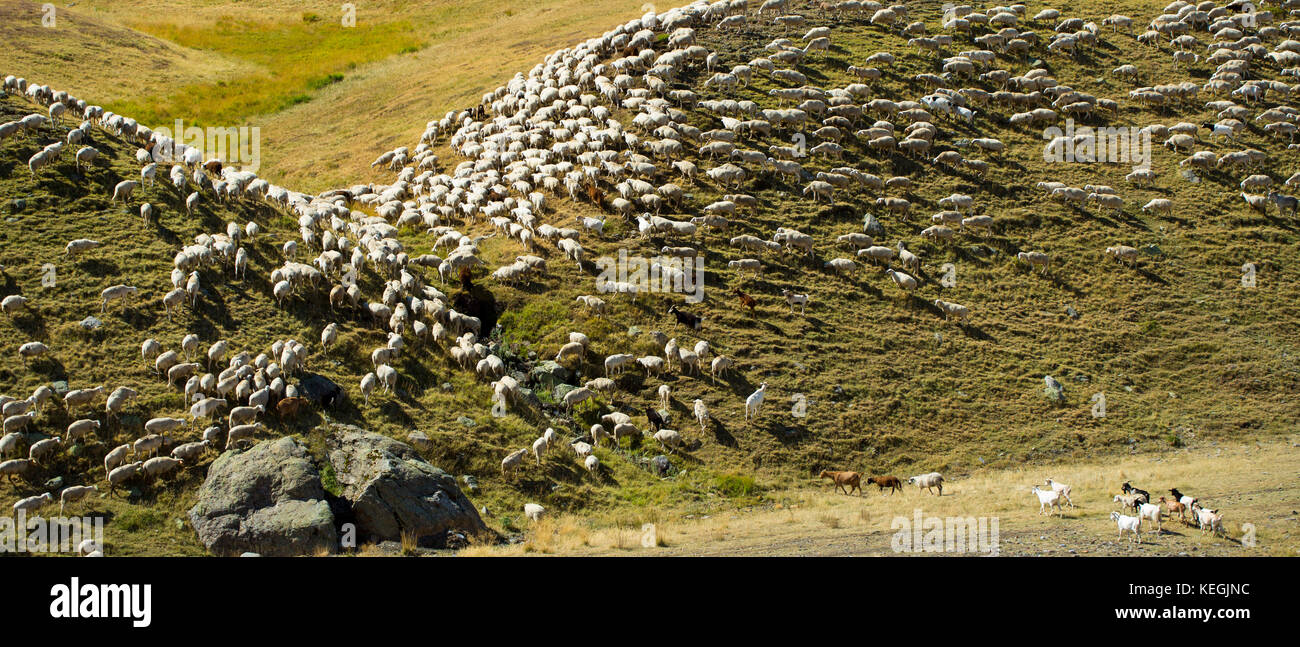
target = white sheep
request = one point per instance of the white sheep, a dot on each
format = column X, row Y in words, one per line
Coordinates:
column 701, row 413
column 534, row 511
column 928, row 481
column 668, row 438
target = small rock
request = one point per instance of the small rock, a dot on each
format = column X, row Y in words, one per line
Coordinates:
column 250, row 555
column 633, row 331
column 60, row 387
column 661, row 465
column 54, row 483
column 471, row 483
column 466, row 421
column 1071, row 312
column 447, row 387
column 419, row 440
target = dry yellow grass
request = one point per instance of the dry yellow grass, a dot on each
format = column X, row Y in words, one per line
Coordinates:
column 1249, row 484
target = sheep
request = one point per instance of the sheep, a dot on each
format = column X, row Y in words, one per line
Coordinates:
column 75, row 493
column 116, row 458
column 78, row 246
column 953, row 310
column 117, row 292
column 1048, row 499
column 665, row 395
column 42, row 449
column 12, row 304
column 928, row 481
column 190, row 451
column 1124, row 522
column 1063, row 489
column 1124, row 253
column 16, row 467
column 33, row 503
column 701, row 413
column 720, row 365
column 122, row 474
column 904, row 281
column 755, row 402
column 592, row 464
column 513, row 460
column 241, row 432
column 534, row 511
column 1035, row 259
column 124, row 190
column 668, row 439
column 80, row 429
column 845, row 482
column 161, row 466
column 9, row 444
column 578, row 395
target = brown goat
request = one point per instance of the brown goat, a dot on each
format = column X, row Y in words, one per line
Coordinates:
column 1175, row 506
column 883, row 482
column 745, row 299
column 846, row 481
column 289, row 408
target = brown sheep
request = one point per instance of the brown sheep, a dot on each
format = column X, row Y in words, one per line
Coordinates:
column 883, row 482
column 846, row 481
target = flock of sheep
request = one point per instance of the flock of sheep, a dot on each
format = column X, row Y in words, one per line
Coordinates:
column 610, row 121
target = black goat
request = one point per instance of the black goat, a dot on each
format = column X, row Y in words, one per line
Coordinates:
column 687, row 319
column 1129, row 489
column 656, row 420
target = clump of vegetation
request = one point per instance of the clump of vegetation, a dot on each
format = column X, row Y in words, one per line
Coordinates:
column 735, row 485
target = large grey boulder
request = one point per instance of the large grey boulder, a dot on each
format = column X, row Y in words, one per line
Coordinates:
column 393, row 491
column 267, row 500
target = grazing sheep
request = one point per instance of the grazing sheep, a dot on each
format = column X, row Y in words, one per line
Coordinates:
column 845, row 482
column 928, row 481
column 534, row 511
column 701, row 413
column 668, row 439
column 513, row 460
column 75, row 493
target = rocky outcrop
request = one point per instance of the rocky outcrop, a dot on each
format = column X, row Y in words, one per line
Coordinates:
column 393, row 491
column 267, row 500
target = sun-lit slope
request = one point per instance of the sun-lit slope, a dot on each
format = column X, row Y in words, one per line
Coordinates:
column 328, row 98
column 1182, row 352
column 99, row 56
column 45, row 212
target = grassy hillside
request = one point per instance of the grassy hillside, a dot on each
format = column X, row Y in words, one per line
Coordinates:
column 328, row 98
column 1184, row 354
